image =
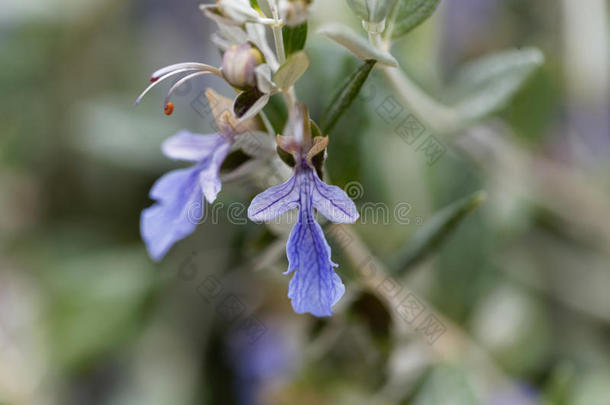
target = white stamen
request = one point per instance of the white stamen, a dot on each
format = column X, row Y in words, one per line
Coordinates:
column 187, row 65
column 159, row 80
column 182, row 81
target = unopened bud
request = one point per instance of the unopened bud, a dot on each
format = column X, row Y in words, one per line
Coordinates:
column 238, row 64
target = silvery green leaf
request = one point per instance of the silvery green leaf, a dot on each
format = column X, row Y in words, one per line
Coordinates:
column 436, row 230
column 410, row 13
column 291, row 70
column 345, row 96
column 371, row 10
column 486, row 85
column 356, row 44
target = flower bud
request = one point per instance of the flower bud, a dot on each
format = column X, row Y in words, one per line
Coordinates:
column 238, row 64
column 371, row 11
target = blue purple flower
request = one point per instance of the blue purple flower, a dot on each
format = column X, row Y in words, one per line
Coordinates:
column 315, row 287
column 180, row 194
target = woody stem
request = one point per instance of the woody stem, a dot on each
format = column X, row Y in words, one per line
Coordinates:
column 452, row 346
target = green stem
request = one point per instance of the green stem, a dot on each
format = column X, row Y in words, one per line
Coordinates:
column 278, row 38
column 455, row 345
column 277, row 35
column 438, row 117
column 377, row 41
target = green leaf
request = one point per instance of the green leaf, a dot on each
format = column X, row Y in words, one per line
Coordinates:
column 345, row 96
column 434, row 232
column 486, row 85
column 294, row 38
column 356, row 44
column 291, row 70
column 410, row 13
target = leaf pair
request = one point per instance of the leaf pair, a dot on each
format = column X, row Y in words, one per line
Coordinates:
column 402, row 15
column 480, row 89
column 356, row 44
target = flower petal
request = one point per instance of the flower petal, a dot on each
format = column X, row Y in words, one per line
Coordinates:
column 315, row 287
column 191, row 147
column 175, row 215
column 210, row 183
column 274, row 201
column 332, row 202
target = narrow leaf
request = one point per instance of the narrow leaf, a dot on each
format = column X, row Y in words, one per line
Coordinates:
column 434, row 232
column 345, row 96
column 410, row 14
column 294, row 38
column 291, row 70
column 486, row 85
column 356, row 44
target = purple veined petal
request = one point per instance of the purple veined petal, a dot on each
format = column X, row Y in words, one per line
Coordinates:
column 192, row 147
column 208, row 178
column 274, row 201
column 175, row 215
column 331, row 201
column 315, row 287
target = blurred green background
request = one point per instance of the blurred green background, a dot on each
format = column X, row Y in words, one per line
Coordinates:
column 87, row 318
